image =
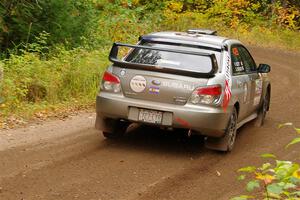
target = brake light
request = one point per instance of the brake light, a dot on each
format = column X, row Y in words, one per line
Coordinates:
column 110, row 77
column 110, row 83
column 212, row 90
column 206, row 95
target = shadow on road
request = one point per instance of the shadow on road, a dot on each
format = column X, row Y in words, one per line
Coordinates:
column 157, row 141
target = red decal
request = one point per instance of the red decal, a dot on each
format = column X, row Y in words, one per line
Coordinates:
column 227, row 90
column 182, row 122
column 227, row 96
column 235, row 52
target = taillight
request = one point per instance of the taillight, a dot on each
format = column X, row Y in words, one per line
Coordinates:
column 110, row 83
column 110, row 77
column 206, row 95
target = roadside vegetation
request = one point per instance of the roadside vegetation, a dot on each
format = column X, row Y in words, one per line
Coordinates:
column 54, row 52
column 274, row 179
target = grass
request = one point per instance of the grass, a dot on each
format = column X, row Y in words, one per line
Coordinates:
column 68, row 79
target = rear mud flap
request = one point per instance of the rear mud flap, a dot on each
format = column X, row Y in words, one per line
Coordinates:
column 215, row 144
column 105, row 124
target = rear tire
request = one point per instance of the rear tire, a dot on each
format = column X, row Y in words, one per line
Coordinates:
column 259, row 121
column 225, row 143
column 118, row 130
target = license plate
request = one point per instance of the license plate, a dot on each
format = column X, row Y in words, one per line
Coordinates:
column 150, row 116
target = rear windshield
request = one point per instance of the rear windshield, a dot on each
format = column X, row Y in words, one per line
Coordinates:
column 180, row 61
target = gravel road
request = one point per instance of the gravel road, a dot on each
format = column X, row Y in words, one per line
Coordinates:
column 70, row 160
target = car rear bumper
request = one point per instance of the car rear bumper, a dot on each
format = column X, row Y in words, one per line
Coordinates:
column 205, row 120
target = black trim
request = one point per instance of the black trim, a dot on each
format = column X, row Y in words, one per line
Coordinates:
column 225, row 47
column 113, row 57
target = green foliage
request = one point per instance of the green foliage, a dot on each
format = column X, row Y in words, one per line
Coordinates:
column 268, row 155
column 251, row 185
column 233, row 13
column 69, row 75
column 124, row 24
column 248, row 169
column 66, row 21
column 276, row 180
column 294, row 141
column 40, row 45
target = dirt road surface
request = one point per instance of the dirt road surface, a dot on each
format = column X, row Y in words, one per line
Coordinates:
column 70, row 160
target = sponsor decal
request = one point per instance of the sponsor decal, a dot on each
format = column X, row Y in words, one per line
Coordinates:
column 239, row 69
column 156, row 82
column 178, row 85
column 228, row 83
column 138, row 84
column 154, row 90
column 235, row 51
column 237, row 64
column 180, row 100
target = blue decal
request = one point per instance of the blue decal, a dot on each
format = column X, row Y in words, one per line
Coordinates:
column 154, row 90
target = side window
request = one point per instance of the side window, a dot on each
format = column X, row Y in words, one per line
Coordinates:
column 248, row 61
column 237, row 62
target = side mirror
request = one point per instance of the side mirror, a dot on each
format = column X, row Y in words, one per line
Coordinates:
column 264, row 68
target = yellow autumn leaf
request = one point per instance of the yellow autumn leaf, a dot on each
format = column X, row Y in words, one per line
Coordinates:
column 296, row 174
column 267, row 178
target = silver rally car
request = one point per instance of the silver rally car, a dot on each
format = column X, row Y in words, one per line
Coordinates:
column 194, row 80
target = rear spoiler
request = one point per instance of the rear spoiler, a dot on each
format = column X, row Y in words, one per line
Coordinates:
column 113, row 57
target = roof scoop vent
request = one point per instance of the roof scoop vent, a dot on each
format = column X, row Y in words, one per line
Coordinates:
column 202, row 31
